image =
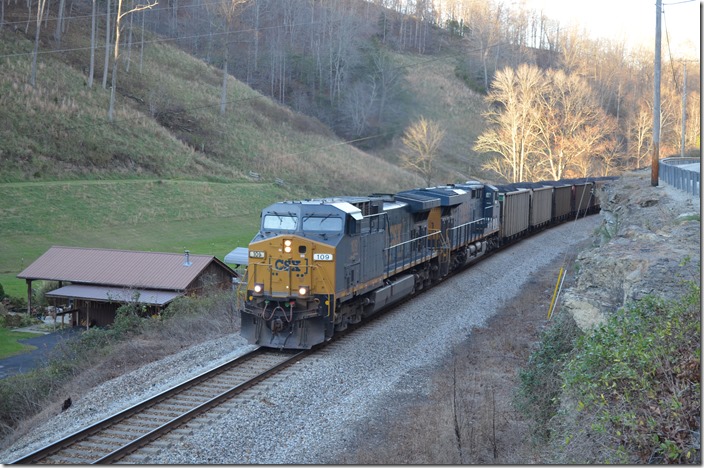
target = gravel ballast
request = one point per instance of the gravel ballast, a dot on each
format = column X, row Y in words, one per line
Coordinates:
column 317, row 412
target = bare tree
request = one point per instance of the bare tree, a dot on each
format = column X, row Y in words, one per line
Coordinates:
column 116, row 50
column 422, row 141
column 571, row 124
column 40, row 12
column 515, row 99
column 58, row 32
column 640, row 127
column 108, row 29
column 486, row 22
column 229, row 10
column 93, row 22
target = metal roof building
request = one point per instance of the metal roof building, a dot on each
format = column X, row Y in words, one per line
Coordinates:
column 100, row 280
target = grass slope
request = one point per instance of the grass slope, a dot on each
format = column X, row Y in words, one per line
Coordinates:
column 169, row 173
column 439, row 95
column 167, row 124
column 152, row 215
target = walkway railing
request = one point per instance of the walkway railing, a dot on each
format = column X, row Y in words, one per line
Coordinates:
column 681, row 178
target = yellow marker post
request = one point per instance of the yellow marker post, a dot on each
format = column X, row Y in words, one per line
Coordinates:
column 554, row 294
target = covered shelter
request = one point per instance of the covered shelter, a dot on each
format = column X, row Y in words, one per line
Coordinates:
column 93, row 283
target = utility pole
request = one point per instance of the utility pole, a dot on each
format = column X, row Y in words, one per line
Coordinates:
column 654, row 167
column 684, row 108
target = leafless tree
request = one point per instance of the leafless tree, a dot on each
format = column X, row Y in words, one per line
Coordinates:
column 229, row 10
column 422, row 141
column 59, row 22
column 116, row 50
column 108, row 32
column 515, row 101
column 640, row 127
column 486, row 22
column 93, row 22
column 571, row 124
column 41, row 4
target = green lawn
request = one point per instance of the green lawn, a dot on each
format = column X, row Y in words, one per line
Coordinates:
column 9, row 346
column 151, row 215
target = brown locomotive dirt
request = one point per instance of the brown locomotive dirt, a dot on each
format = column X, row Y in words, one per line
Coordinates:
column 469, row 417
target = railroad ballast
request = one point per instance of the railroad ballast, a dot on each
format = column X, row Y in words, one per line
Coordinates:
column 318, row 265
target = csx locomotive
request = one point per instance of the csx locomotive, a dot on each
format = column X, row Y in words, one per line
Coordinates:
column 318, row 265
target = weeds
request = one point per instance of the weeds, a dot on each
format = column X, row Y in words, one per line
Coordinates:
column 634, row 384
column 100, row 354
column 541, row 385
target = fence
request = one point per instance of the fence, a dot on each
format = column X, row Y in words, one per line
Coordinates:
column 681, row 178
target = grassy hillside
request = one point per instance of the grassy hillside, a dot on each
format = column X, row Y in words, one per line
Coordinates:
column 439, row 95
column 154, row 215
column 171, row 172
column 168, row 124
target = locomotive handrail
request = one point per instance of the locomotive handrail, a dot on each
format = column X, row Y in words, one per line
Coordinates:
column 465, row 225
column 423, row 256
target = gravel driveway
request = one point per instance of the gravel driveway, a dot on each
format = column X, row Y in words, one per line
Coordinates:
column 333, row 399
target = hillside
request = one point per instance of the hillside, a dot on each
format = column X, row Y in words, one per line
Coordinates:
column 224, row 167
column 167, row 124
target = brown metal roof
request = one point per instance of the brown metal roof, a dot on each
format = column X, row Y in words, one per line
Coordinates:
column 125, row 268
column 113, row 294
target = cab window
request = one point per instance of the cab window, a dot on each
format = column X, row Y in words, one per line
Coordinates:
column 274, row 222
column 322, row 224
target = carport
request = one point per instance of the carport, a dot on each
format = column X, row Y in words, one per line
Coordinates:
column 93, row 283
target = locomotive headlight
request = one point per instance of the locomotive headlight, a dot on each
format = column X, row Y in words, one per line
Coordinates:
column 258, row 288
column 287, row 246
column 303, row 291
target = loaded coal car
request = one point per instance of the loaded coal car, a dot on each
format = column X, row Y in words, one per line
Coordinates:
column 594, row 204
column 541, row 201
column 318, row 265
column 582, row 196
column 561, row 200
column 515, row 211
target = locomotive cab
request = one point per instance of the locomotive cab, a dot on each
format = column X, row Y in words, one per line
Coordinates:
column 291, row 273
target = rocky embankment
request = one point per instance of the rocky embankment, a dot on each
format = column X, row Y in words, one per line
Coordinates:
column 649, row 243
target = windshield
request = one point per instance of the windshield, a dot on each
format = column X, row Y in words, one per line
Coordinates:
column 322, row 224
column 274, row 222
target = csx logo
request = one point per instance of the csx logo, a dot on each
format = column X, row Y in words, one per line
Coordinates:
column 287, row 265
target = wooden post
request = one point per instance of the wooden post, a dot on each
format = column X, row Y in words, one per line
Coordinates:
column 29, row 297
column 655, row 158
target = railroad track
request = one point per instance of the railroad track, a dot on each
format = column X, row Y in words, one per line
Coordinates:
column 121, row 434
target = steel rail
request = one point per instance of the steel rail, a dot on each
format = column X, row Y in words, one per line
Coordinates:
column 81, row 435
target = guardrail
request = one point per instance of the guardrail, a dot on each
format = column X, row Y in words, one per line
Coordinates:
column 680, row 178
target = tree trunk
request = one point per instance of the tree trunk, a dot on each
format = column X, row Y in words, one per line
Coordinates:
column 59, row 22
column 107, row 46
column 223, row 96
column 256, row 35
column 29, row 16
column 141, row 44
column 40, row 12
column 93, row 21
column 174, row 18
column 129, row 46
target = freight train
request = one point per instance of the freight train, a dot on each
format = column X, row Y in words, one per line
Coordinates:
column 317, row 266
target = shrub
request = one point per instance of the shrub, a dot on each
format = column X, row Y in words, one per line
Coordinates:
column 541, row 385
column 632, row 387
column 100, row 354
